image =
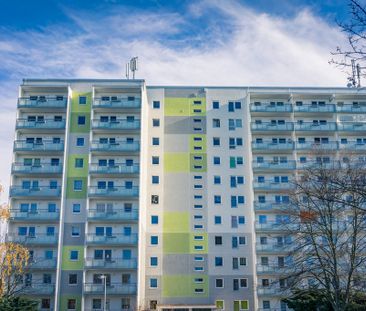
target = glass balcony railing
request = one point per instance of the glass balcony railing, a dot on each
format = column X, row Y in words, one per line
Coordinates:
column 38, row 239
column 115, row 215
column 22, row 145
column 112, row 289
column 317, row 146
column 268, row 206
column 353, row 145
column 273, row 269
column 272, row 185
column 289, row 165
column 116, row 125
column 120, row 191
column 318, row 165
column 276, row 226
column 42, row 102
column 42, row 125
column 267, row 126
column 352, row 127
column 114, row 239
column 273, row 146
column 42, row 168
column 41, row 191
column 316, row 109
column 113, row 263
column 273, row 247
column 94, row 168
column 310, row 126
column 118, row 102
column 121, row 146
column 271, row 108
column 351, row 108
column 43, row 263
column 38, row 215
column 38, row 289
column 272, row 291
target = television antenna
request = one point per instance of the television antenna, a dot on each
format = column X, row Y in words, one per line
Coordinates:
column 131, row 66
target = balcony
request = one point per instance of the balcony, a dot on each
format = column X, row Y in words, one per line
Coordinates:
column 273, row 269
column 45, row 146
column 270, row 206
column 272, row 291
column 115, row 215
column 119, row 125
column 121, row 146
column 117, row 169
column 38, row 289
column 319, row 165
column 312, row 146
column 272, row 127
column 113, row 263
column 352, row 127
column 272, row 186
column 315, row 127
column 117, row 102
column 273, row 147
column 263, row 108
column 42, row 191
column 115, row 239
column 353, row 146
column 328, row 108
column 38, row 215
column 40, row 169
column 271, row 165
column 47, row 124
column 351, row 108
column 114, row 192
column 112, row 289
column 38, row 239
column 42, row 264
column 275, row 226
column 42, row 102
column 274, row 248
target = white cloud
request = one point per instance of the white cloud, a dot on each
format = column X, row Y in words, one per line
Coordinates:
column 235, row 47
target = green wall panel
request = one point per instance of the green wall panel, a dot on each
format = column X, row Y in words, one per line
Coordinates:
column 201, row 163
column 68, row 264
column 203, row 243
column 70, row 193
column 176, row 162
column 201, row 107
column 182, row 106
column 176, row 243
column 76, row 107
column 65, row 298
column 183, row 285
column 73, row 171
column 193, row 143
column 75, row 127
column 176, row 222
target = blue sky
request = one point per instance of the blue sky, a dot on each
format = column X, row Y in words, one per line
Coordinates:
column 205, row 42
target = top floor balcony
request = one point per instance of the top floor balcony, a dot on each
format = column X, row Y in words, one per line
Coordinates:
column 326, row 108
column 120, row 102
column 351, row 108
column 269, row 108
column 270, row 127
column 52, row 102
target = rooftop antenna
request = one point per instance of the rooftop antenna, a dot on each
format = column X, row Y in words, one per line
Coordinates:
column 133, row 66
column 128, row 71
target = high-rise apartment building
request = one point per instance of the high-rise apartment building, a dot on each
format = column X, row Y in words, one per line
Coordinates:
column 168, row 198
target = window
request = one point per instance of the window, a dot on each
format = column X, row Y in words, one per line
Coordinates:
column 47, row 278
column 48, row 254
column 78, row 185
column 216, row 141
column 74, row 255
column 220, row 304
column 82, row 100
column 217, row 220
column 81, row 120
column 153, row 283
column 156, row 122
column 73, row 279
column 153, row 261
column 155, row 179
column 217, row 180
column 75, row 231
column 79, row 141
column 155, row 141
column 46, row 303
column 76, row 208
column 215, row 123
column 215, row 105
column 71, row 304
column 219, row 261
column 154, row 240
column 154, row 199
column 199, row 290
column 154, row 220
column 217, row 199
column 243, row 283
column 156, row 104
column 50, row 231
column 155, row 160
column 219, row 283
column 79, row 162
column 218, row 240
column 51, row 207
column 97, row 303
column 266, row 304
column 216, row 160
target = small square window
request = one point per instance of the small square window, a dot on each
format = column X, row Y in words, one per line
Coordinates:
column 219, row 283
column 80, row 141
column 215, row 105
column 153, row 283
column 154, row 240
column 216, row 141
column 217, row 220
column 79, row 162
column 155, row 141
column 217, row 180
column 155, row 179
column 78, row 185
column 156, row 122
column 81, row 120
column 219, row 262
column 76, row 208
column 71, row 304
column 73, row 279
column 153, row 261
column 155, row 160
column 156, row 104
column 216, row 160
column 82, row 100
column 154, row 220
column 75, row 231
column 74, row 255
column 217, row 199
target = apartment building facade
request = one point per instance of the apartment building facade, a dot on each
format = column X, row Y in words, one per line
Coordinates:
column 168, row 198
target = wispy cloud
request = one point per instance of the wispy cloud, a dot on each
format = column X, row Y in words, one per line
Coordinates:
column 211, row 43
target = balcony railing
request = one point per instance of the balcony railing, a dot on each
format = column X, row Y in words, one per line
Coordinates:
column 271, row 108
column 353, row 145
column 267, row 126
column 115, row 215
column 316, row 109
column 37, row 239
column 112, row 289
column 95, row 168
column 121, row 146
column 319, row 165
column 352, row 109
column 38, row 289
column 38, row 215
column 113, row 263
column 351, row 127
column 122, row 124
column 43, row 263
column 46, row 124
column 268, row 206
column 41, row 191
column 22, row 145
column 120, row 191
column 272, row 291
column 289, row 165
column 42, row 102
column 114, row 239
column 310, row 126
column 273, row 269
column 272, row 185
column 273, row 146
column 317, row 146
column 42, row 168
column 276, row 226
column 119, row 102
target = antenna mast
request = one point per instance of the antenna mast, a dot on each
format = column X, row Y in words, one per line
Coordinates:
column 131, row 66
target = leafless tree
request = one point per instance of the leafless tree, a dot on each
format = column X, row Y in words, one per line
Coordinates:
column 327, row 222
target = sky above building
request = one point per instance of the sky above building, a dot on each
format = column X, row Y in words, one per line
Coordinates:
column 203, row 42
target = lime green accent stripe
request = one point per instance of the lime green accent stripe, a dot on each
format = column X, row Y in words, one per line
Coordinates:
column 176, row 162
column 68, row 264
column 176, row 222
column 70, row 193
column 75, row 127
column 182, row 106
column 198, row 165
column 75, row 107
column 193, row 143
column 184, row 243
column 183, row 285
column 73, row 171
column 65, row 298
